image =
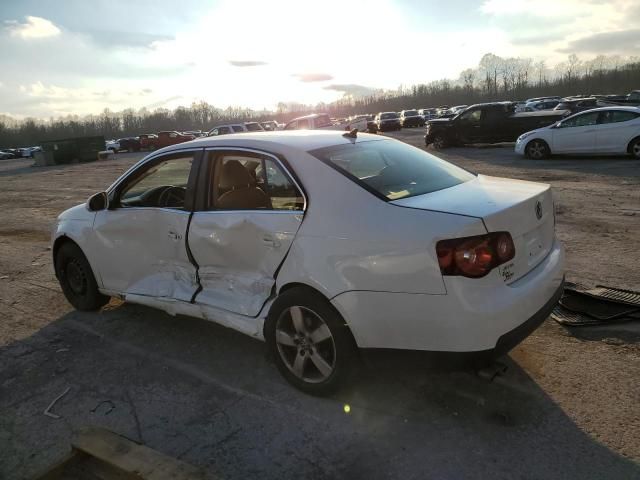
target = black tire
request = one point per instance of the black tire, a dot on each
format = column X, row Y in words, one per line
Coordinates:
column 439, row 141
column 537, row 149
column 77, row 280
column 634, row 148
column 338, row 351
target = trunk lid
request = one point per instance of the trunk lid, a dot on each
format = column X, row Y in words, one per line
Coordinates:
column 524, row 209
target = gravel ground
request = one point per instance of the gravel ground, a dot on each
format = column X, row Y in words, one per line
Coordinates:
column 566, row 408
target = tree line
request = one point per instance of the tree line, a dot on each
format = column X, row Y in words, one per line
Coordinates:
column 494, row 79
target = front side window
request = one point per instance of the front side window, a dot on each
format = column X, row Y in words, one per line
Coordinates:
column 393, row 170
column 248, row 181
column 238, row 128
column 291, row 125
column 161, row 185
column 583, row 120
column 472, row 116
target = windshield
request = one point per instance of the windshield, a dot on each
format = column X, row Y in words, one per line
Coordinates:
column 386, row 116
column 393, row 169
column 410, row 113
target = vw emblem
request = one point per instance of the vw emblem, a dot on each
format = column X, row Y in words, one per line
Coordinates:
column 538, row 210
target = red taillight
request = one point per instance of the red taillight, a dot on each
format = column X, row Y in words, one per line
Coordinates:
column 474, row 256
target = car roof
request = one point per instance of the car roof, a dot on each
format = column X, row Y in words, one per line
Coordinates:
column 303, row 140
column 611, row 107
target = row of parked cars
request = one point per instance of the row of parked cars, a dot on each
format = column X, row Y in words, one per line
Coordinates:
column 154, row 141
column 612, row 129
column 26, row 152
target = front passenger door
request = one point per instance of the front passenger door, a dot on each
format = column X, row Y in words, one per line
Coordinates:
column 576, row 134
column 243, row 233
column 139, row 242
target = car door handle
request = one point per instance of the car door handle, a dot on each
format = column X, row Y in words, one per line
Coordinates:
column 270, row 241
column 173, row 235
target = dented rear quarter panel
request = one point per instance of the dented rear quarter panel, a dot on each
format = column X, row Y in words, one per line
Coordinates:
column 352, row 240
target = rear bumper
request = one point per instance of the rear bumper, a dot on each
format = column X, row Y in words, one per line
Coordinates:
column 475, row 315
column 389, row 126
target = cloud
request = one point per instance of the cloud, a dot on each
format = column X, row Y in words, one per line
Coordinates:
column 123, row 38
column 161, row 103
column 352, row 89
column 33, row 27
column 313, row 77
column 606, row 42
column 247, row 63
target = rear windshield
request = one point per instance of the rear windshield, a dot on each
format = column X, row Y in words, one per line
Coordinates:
column 386, row 116
column 392, row 169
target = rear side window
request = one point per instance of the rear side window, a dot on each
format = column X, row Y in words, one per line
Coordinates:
column 248, row 181
column 237, row 128
column 616, row 116
column 392, row 170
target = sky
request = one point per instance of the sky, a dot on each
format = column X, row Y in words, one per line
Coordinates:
column 76, row 57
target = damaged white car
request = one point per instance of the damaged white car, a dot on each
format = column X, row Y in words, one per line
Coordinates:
column 322, row 244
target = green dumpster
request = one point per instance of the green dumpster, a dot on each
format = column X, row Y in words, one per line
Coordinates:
column 72, row 150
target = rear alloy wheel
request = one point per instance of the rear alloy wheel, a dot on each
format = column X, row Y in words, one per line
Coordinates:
column 634, row 149
column 537, row 150
column 76, row 279
column 312, row 347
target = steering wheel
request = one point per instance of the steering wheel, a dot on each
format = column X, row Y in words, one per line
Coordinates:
column 172, row 197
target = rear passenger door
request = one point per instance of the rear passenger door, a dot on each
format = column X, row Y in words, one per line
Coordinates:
column 244, row 228
column 615, row 129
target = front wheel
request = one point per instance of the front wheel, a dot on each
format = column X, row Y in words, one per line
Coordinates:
column 310, row 342
column 76, row 279
column 537, row 150
column 439, row 142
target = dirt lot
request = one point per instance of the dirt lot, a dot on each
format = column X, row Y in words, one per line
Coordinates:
column 566, row 408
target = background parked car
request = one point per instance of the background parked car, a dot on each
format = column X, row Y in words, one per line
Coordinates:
column 575, row 105
column 411, row 118
column 148, row 141
column 387, row 121
column 130, row 144
column 322, row 121
column 428, row 113
column 597, row 131
column 538, row 105
column 253, row 127
column 486, row 123
column 112, row 145
column 6, row 155
column 171, row 138
column 270, row 125
column 227, row 129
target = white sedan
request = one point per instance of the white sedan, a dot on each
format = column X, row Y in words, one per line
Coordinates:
column 607, row 130
column 322, row 244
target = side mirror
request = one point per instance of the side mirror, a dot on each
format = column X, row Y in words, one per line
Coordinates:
column 97, row 202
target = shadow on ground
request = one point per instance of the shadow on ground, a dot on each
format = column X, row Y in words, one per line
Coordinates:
column 207, row 395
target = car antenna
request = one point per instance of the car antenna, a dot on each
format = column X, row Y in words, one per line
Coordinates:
column 351, row 134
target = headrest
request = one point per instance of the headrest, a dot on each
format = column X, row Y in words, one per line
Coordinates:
column 234, row 175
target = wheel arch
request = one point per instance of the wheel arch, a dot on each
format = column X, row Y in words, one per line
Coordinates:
column 65, row 238
column 631, row 142
column 538, row 139
column 303, row 286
